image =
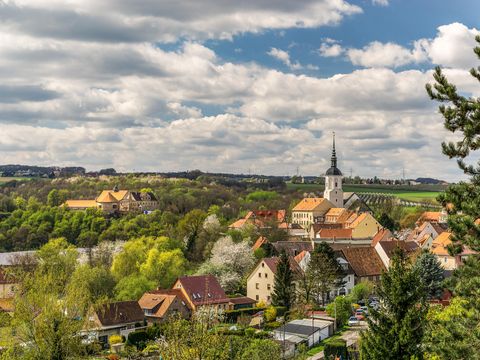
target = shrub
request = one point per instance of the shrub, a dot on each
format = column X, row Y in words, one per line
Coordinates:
column 281, row 310
column 270, row 314
column 249, row 332
column 232, row 315
column 115, row 339
column 335, row 348
column 272, row 325
column 138, row 339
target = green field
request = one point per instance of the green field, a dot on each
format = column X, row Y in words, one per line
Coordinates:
column 415, row 193
column 7, row 179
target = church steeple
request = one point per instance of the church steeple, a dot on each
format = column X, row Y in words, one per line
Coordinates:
column 334, row 153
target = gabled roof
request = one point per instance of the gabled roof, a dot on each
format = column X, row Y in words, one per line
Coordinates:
column 390, row 246
column 300, row 256
column 110, row 196
column 335, row 233
column 382, row 235
column 358, row 220
column 122, row 312
column 364, row 261
column 292, row 248
column 309, row 204
column 143, row 196
column 430, row 216
column 421, row 241
column 159, row 301
column 80, row 204
column 260, row 241
column 335, row 211
column 260, row 218
column 442, row 240
column 272, row 263
column 203, row 289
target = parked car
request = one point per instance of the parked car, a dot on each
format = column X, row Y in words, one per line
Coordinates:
column 364, row 309
column 360, row 315
column 353, row 321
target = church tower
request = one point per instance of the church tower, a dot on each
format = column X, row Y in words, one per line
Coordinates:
column 333, row 181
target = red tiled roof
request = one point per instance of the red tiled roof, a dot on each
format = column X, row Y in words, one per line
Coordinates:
column 390, row 246
column 203, row 289
column 122, row 312
column 364, row 261
column 382, row 235
column 300, row 256
column 242, row 300
column 260, row 241
column 292, row 248
column 335, row 233
column 272, row 263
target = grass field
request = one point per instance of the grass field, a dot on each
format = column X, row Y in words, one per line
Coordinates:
column 415, row 193
column 7, row 179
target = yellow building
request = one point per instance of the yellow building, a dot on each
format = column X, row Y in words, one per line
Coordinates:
column 310, row 211
column 364, row 226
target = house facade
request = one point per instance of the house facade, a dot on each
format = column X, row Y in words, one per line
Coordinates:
column 119, row 318
column 159, row 305
column 310, row 211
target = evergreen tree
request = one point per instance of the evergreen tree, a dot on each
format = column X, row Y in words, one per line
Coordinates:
column 324, row 273
column 387, row 222
column 396, row 329
column 462, row 116
column 431, row 273
column 283, row 287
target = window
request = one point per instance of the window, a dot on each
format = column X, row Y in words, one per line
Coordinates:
column 266, row 275
column 263, row 264
column 256, row 297
column 268, row 298
column 268, row 287
column 259, row 275
column 257, row 286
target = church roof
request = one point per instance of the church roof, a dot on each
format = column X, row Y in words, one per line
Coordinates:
column 333, row 168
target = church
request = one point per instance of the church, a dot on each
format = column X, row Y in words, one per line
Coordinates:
column 333, row 181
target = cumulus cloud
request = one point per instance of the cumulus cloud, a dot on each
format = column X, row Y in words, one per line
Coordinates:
column 380, row 2
column 164, row 21
column 378, row 54
column 452, row 47
column 85, row 86
column 330, row 48
column 284, row 57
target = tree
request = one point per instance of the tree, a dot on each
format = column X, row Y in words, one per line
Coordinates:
column 262, row 349
column 49, row 310
column 461, row 116
column 362, row 291
column 133, row 287
column 387, row 222
column 341, row 308
column 283, row 287
column 431, row 273
column 324, row 272
column 396, row 329
column 230, row 262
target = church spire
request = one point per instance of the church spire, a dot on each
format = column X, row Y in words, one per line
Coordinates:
column 334, row 153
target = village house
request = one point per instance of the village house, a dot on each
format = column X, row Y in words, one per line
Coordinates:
column 385, row 249
column 261, row 279
column 426, row 233
column 8, row 284
column 202, row 291
column 159, row 305
column 119, row 318
column 365, row 263
column 440, row 250
column 304, row 331
column 117, row 201
column 261, row 219
column 310, row 211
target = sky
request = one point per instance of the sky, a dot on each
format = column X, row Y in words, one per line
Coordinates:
column 232, row 86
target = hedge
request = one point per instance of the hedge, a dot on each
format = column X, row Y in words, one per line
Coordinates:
column 138, row 338
column 232, row 315
column 335, row 348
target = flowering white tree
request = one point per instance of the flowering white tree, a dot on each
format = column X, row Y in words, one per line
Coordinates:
column 230, row 262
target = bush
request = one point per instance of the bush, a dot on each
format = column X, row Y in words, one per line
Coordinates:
column 335, row 348
column 138, row 339
column 272, row 325
column 270, row 314
column 115, row 339
column 250, row 332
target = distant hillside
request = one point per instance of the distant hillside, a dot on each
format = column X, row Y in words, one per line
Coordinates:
column 429, row 181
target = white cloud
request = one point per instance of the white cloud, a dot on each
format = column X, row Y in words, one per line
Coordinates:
column 165, row 21
column 330, row 49
column 378, row 54
column 380, row 2
column 284, row 57
column 452, row 47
